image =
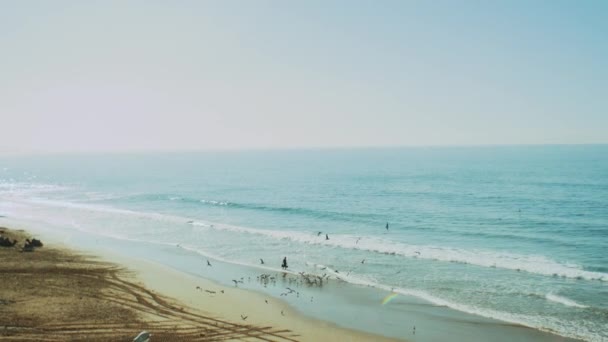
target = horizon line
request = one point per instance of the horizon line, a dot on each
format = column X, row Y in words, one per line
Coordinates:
column 277, row 149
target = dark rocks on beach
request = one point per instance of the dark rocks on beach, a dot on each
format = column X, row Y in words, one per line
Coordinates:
column 36, row 243
column 6, row 242
column 31, row 244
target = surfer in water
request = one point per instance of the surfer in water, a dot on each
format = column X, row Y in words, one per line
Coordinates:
column 386, row 225
column 284, row 264
column 326, row 237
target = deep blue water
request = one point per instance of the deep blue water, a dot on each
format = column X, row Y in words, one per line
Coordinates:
column 513, row 233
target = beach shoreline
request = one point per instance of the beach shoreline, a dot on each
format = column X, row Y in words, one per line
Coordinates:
column 268, row 309
column 252, row 315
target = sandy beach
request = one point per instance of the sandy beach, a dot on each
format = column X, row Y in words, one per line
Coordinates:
column 56, row 293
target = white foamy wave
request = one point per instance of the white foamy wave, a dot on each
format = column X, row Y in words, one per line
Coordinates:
column 20, row 188
column 545, row 323
column 564, row 301
column 537, row 264
column 214, row 202
column 105, row 209
column 100, row 196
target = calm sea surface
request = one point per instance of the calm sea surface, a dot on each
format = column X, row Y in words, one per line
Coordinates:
column 518, row 234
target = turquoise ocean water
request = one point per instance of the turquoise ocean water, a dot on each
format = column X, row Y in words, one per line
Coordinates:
column 518, row 234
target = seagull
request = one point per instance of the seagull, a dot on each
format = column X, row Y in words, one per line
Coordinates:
column 266, row 300
column 356, row 242
column 261, row 261
column 244, row 317
column 363, row 261
column 208, row 263
column 282, row 313
column 236, row 282
column 319, row 233
column 143, row 336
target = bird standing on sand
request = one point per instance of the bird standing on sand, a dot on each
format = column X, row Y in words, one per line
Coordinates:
column 143, row 336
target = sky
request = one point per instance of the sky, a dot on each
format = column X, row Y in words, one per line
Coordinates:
column 99, row 76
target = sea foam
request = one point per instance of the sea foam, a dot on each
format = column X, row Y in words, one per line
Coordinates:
column 564, row 301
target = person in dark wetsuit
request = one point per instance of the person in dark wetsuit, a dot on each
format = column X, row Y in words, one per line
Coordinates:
column 386, row 225
column 284, row 265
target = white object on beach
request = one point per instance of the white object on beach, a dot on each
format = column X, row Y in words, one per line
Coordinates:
column 143, row 336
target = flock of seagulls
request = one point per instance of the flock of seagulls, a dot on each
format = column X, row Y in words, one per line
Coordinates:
column 145, row 336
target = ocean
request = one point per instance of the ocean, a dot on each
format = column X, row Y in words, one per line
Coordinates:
column 513, row 234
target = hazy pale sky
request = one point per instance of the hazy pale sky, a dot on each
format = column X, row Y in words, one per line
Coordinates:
column 171, row 75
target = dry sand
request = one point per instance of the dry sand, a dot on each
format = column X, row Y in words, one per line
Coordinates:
column 57, row 294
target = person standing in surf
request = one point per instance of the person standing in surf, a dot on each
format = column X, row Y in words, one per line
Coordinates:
column 284, row 265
